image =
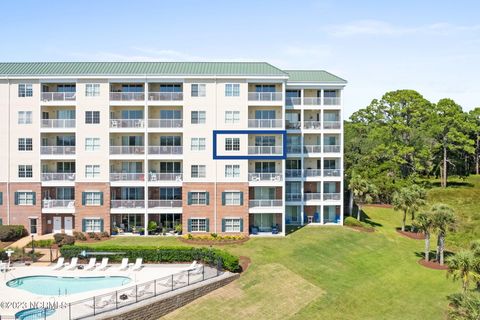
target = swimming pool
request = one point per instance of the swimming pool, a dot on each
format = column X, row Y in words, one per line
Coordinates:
column 54, row 286
column 34, row 314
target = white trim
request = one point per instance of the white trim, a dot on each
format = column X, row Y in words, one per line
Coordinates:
column 179, row 78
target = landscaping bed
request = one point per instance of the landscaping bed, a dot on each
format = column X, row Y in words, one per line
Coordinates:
column 411, row 235
column 354, row 224
column 213, row 239
column 432, row 264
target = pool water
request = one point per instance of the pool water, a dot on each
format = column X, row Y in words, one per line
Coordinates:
column 54, row 286
column 32, row 314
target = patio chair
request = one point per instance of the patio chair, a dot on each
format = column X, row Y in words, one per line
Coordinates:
column 102, row 302
column 60, row 264
column 73, row 264
column 191, row 266
column 103, row 266
column 138, row 264
column 124, row 265
column 91, row 264
column 173, row 280
column 141, row 290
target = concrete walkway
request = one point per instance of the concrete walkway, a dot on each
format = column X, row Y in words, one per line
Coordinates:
column 26, row 240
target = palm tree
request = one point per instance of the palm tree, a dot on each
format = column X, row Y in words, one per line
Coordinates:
column 443, row 220
column 463, row 266
column 408, row 199
column 419, row 196
column 363, row 192
column 475, row 248
column 424, row 223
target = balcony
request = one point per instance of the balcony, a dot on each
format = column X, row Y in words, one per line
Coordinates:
column 293, row 125
column 265, row 203
column 134, row 150
column 293, row 197
column 293, row 101
column 127, row 176
column 164, row 203
column 127, row 123
column 331, row 101
column 331, row 124
column 265, row 96
column 127, row 204
column 331, row 196
column 165, row 123
column 294, row 149
column 312, row 101
column 265, row 123
column 178, row 177
column 174, row 150
column 332, row 172
column 58, row 204
column 127, row 96
column 309, row 173
column 165, row 96
column 55, row 176
column 57, row 123
column 265, row 150
column 315, row 125
column 312, row 196
column 312, row 148
column 57, row 150
column 258, row 177
column 293, row 173
column 58, row 96
column 331, row 148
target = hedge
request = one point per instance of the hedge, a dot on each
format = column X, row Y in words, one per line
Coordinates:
column 157, row 254
column 12, row 232
column 351, row 221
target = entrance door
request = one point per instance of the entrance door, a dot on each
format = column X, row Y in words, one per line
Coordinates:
column 33, row 226
column 57, row 224
column 68, row 225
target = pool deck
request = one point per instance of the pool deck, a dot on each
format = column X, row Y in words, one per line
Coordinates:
column 13, row 300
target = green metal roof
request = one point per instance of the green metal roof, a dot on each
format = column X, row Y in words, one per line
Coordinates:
column 139, row 68
column 313, row 76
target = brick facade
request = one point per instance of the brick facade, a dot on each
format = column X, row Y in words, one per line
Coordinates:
column 102, row 211
column 21, row 214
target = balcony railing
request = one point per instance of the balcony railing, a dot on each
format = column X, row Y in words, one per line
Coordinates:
column 312, row 196
column 264, row 176
column 293, row 125
column 331, row 101
column 127, row 176
column 293, row 173
column 312, row 172
column 331, row 124
column 127, row 150
column 293, row 101
column 53, row 176
column 331, row 148
column 51, row 203
column 293, row 197
column 264, row 96
column 312, row 149
column 165, row 177
column 312, row 124
column 164, row 203
column 165, row 123
column 265, row 203
column 332, row 172
column 58, row 96
column 294, row 149
column 57, row 150
column 165, row 149
column 265, row 150
column 331, row 196
column 127, row 96
column 312, row 101
column 58, row 123
column 165, row 96
column 127, row 123
column 127, row 204
column 265, row 123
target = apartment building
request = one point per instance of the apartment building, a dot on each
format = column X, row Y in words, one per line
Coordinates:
column 216, row 147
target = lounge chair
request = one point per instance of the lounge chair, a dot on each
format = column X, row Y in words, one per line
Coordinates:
column 73, row 264
column 103, row 266
column 141, row 290
column 60, row 264
column 124, row 265
column 197, row 270
column 102, row 302
column 91, row 264
column 173, row 280
column 191, row 267
column 138, row 264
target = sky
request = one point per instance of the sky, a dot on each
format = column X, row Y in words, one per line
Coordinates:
column 432, row 47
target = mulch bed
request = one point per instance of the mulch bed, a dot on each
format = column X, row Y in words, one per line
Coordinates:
column 361, row 229
column 412, row 235
column 213, row 242
column 432, row 264
column 244, row 263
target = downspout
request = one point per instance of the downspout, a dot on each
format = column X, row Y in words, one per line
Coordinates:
column 8, row 158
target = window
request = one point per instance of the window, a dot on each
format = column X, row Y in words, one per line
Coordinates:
column 232, row 199
column 232, row 144
column 92, row 144
column 92, row 89
column 92, row 117
column 198, row 144
column 232, row 89
column 25, row 144
column 25, row 90
column 92, row 198
column 198, row 198
column 92, row 171
column 198, row 171
column 232, row 117
column 25, row 198
column 93, row 225
column 198, row 117
column 198, row 90
column 232, row 225
column 265, row 167
column 25, row 171
column 198, row 225
column 232, row 171
column 24, row 117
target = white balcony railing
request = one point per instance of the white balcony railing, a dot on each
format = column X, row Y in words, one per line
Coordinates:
column 58, row 123
column 331, row 196
column 312, row 196
column 165, row 149
column 293, row 101
column 53, row 176
column 265, row 176
column 178, row 177
column 312, row 172
column 332, row 172
column 265, row 150
column 293, row 197
column 293, row 125
column 127, row 123
column 331, row 148
column 331, row 124
column 312, row 124
column 264, row 96
column 265, row 123
column 127, row 204
column 293, row 173
column 331, row 101
column 127, row 96
column 57, row 150
column 165, row 123
column 265, row 203
column 58, row 96
column 127, row 176
column 127, row 150
column 312, row 149
column 294, row 149
column 164, row 203
column 165, row 96
column 53, row 203
column 312, row 101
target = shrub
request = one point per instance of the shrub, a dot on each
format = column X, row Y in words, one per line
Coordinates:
column 104, row 234
column 152, row 226
column 159, row 254
column 179, row 228
column 79, row 236
column 62, row 239
column 46, row 243
column 91, row 235
column 97, row 236
column 352, row 222
column 12, row 232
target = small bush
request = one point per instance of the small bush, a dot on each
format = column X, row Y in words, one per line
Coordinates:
column 46, row 243
column 79, row 236
column 152, row 226
column 352, row 222
column 104, row 234
column 97, row 236
column 62, row 239
column 12, row 232
column 91, row 235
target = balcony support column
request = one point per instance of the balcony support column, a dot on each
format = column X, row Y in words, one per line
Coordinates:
column 145, row 156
